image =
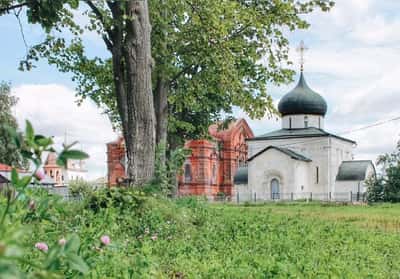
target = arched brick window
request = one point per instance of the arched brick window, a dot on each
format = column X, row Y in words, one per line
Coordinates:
column 188, row 173
column 214, row 174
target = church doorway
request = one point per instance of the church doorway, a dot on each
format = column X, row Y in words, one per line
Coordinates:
column 275, row 192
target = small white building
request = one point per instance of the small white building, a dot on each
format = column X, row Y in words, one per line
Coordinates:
column 62, row 176
column 76, row 170
column 301, row 159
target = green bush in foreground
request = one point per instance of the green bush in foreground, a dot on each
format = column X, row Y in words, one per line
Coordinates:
column 157, row 238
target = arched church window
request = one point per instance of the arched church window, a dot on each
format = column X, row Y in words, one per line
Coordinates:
column 214, row 174
column 306, row 121
column 275, row 191
column 290, row 123
column 188, row 173
column 319, row 122
column 317, row 175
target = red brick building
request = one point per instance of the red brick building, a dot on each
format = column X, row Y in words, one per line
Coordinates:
column 209, row 169
column 116, row 161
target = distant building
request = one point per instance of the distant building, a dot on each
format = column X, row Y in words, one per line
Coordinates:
column 53, row 170
column 5, row 176
column 75, row 170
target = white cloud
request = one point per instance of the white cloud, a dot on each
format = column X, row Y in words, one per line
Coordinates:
column 53, row 111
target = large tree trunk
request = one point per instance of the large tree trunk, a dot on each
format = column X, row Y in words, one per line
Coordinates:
column 132, row 65
column 140, row 140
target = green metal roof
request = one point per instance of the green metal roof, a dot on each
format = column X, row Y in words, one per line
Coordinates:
column 241, row 176
column 302, row 100
column 298, row 133
column 353, row 170
column 287, row 151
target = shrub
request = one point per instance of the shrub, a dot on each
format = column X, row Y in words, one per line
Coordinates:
column 80, row 188
column 23, row 206
column 386, row 187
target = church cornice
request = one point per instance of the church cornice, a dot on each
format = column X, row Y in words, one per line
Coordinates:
column 298, row 133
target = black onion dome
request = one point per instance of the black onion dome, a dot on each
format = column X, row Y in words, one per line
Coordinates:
column 302, row 100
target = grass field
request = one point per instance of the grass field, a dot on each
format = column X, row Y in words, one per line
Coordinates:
column 382, row 217
column 195, row 239
column 302, row 240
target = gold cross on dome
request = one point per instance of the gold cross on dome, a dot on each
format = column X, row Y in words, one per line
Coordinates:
column 302, row 49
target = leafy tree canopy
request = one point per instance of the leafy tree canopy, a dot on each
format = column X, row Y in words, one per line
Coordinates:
column 211, row 55
column 386, row 187
column 9, row 152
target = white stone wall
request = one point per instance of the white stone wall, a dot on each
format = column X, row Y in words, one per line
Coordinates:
column 340, row 151
column 347, row 186
column 326, row 153
column 244, row 192
column 316, row 149
column 355, row 186
column 302, row 177
column 273, row 164
column 74, row 175
column 297, row 121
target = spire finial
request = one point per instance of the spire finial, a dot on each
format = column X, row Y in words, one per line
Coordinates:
column 302, row 49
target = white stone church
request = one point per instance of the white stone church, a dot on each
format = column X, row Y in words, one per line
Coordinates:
column 301, row 158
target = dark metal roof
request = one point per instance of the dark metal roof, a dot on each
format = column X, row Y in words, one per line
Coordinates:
column 302, row 100
column 3, row 179
column 353, row 170
column 241, row 176
column 298, row 133
column 287, row 151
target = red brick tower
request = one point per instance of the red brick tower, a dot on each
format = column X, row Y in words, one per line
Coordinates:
column 116, row 162
column 53, row 170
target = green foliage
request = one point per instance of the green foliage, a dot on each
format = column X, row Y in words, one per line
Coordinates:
column 123, row 199
column 80, row 188
column 189, row 238
column 165, row 179
column 211, row 55
column 22, row 207
column 9, row 151
column 386, row 187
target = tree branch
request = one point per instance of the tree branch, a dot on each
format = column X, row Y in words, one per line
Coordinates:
column 10, row 8
column 179, row 74
column 101, row 18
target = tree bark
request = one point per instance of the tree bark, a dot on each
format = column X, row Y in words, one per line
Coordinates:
column 132, row 66
column 161, row 111
column 140, row 142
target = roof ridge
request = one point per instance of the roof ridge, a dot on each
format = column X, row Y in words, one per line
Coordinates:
column 349, row 161
column 289, row 152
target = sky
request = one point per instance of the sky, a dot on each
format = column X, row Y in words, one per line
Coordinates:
column 352, row 62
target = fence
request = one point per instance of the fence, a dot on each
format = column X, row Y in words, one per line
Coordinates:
column 303, row 196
